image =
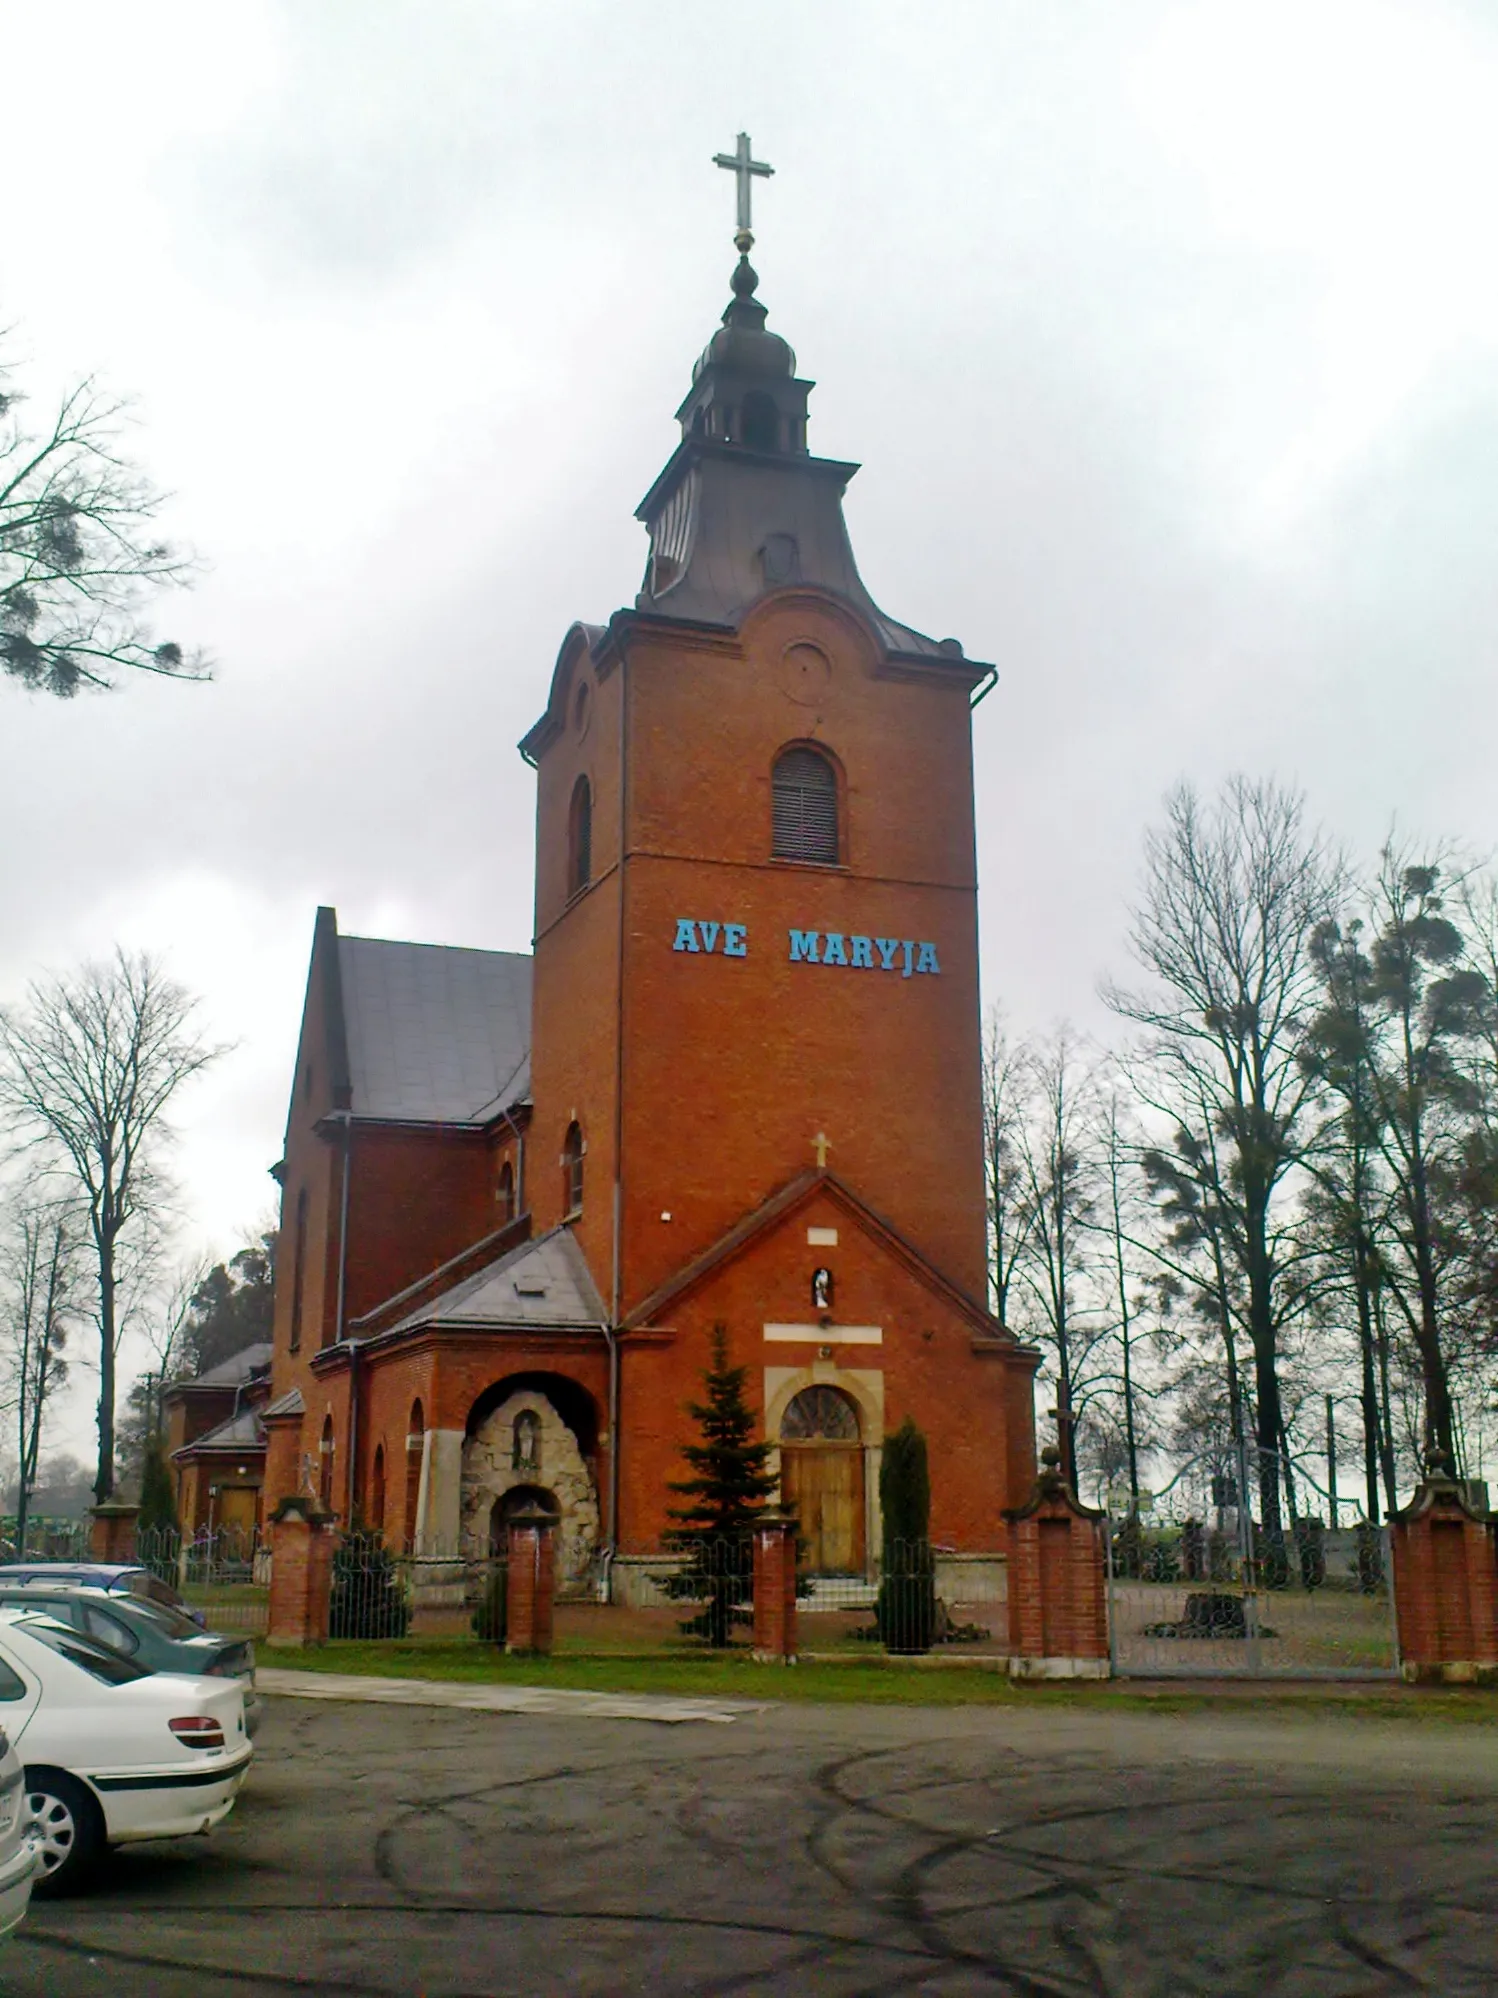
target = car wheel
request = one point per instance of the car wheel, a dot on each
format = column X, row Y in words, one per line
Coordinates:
column 68, row 1828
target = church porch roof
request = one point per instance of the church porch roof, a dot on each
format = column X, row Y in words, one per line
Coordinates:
column 240, row 1435
column 544, row 1285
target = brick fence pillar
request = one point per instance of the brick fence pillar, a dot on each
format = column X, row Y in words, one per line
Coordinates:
column 111, row 1532
column 775, row 1589
column 1445, row 1583
column 282, row 1422
column 1058, row 1596
column 530, row 1585
column 301, row 1571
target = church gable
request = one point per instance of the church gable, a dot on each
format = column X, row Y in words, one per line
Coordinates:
column 820, row 1261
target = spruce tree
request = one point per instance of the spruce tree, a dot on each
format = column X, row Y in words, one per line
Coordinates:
column 906, row 1609
column 727, row 1492
column 367, row 1596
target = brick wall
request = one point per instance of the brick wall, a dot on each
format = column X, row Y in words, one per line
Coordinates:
column 1445, row 1585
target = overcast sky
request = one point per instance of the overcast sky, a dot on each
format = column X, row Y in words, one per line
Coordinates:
column 1165, row 334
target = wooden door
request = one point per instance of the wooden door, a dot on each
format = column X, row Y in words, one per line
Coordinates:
column 822, row 1483
column 236, row 1511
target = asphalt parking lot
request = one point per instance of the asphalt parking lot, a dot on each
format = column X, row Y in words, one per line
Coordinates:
column 812, row 1850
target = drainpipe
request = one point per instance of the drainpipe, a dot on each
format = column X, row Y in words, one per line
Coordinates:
column 610, row 1331
column 611, row 1542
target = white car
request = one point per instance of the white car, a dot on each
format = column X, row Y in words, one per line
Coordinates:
column 20, row 1853
column 112, row 1752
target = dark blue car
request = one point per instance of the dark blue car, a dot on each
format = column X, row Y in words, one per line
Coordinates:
column 126, row 1578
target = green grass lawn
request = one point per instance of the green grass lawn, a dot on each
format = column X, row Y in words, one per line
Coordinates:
column 874, row 1681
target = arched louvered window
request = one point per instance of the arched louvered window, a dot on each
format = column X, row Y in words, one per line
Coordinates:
column 580, row 838
column 572, row 1172
column 804, row 792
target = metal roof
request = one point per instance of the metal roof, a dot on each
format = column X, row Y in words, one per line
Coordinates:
column 436, row 1035
column 724, row 509
column 542, row 1283
column 241, row 1432
column 236, row 1370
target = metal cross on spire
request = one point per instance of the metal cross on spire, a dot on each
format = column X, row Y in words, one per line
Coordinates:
column 743, row 164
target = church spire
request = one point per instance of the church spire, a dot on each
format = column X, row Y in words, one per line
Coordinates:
column 742, row 507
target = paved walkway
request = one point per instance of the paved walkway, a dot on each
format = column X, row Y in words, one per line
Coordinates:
column 498, row 1699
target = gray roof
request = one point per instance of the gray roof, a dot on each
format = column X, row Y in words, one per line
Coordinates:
column 290, row 1403
column 240, row 1432
column 435, row 1035
column 542, row 1283
column 721, row 511
column 237, row 1369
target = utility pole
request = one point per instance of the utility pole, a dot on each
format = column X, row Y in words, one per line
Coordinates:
column 1331, row 1460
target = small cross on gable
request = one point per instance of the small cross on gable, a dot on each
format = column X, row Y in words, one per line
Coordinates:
column 821, row 1145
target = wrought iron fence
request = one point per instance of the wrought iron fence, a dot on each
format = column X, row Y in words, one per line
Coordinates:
column 925, row 1596
column 222, row 1572
column 1228, row 1572
column 46, row 1539
column 378, row 1593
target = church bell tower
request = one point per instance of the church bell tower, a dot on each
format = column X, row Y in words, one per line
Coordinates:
column 756, row 917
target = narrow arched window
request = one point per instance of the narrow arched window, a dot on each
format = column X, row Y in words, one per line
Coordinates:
column 377, row 1490
column 298, row 1270
column 804, row 795
column 504, row 1193
column 580, row 837
column 572, row 1172
column 414, row 1436
column 325, row 1467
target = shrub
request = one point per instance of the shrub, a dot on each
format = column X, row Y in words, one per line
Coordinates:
column 368, row 1597
column 906, row 1608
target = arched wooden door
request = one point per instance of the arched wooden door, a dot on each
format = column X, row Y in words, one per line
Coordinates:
column 821, row 1479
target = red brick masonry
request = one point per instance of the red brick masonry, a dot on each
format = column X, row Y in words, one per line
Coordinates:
column 301, row 1572
column 775, row 1590
column 1445, row 1584
column 111, row 1533
column 1058, row 1602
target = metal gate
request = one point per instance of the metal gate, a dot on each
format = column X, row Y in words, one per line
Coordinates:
column 1224, row 1574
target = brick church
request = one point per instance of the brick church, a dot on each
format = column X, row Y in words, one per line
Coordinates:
column 735, row 1081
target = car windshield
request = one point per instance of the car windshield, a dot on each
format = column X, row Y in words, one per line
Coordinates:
column 102, row 1664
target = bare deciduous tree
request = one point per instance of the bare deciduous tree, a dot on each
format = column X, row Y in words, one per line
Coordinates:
column 1060, row 1186
column 1004, row 1086
column 77, row 555
column 87, row 1070
column 39, row 1285
column 1232, row 896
